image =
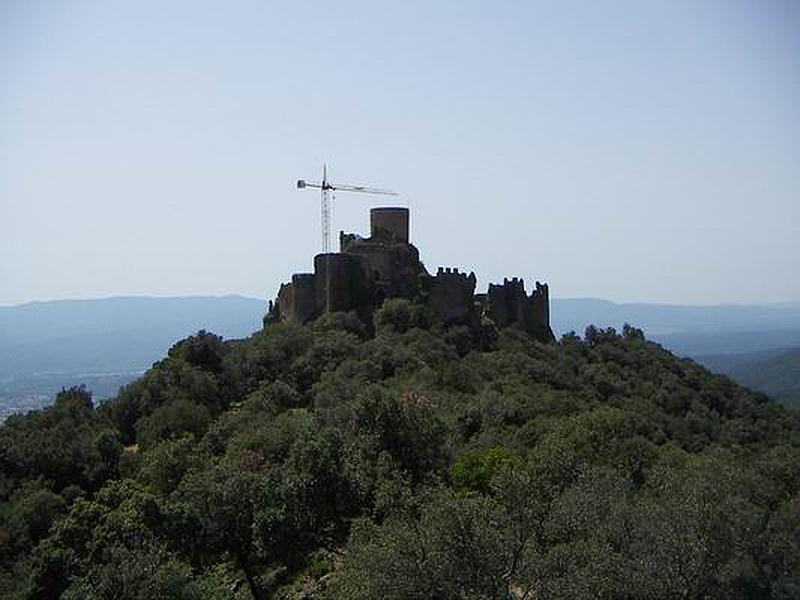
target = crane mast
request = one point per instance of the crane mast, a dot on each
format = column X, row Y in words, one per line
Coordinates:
column 327, row 191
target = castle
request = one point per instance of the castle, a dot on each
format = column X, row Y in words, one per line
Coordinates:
column 366, row 271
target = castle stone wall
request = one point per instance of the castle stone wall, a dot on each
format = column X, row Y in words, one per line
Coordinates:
column 507, row 302
column 297, row 301
column 509, row 305
column 540, row 304
column 393, row 267
column 452, row 296
column 305, row 297
column 342, row 283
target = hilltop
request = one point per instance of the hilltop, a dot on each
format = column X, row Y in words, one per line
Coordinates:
column 325, row 461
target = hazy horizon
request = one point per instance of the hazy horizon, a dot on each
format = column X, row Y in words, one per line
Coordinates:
column 781, row 304
column 632, row 152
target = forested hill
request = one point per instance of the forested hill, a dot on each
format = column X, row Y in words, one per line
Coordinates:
column 322, row 462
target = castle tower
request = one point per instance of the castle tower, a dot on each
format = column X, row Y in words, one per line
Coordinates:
column 389, row 222
column 452, row 296
column 341, row 283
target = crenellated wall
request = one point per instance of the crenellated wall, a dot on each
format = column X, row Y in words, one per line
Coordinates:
column 509, row 305
column 506, row 302
column 452, row 296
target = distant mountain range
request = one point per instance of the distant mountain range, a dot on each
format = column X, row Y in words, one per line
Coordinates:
column 105, row 343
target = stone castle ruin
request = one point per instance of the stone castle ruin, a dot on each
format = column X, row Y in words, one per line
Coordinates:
column 366, row 271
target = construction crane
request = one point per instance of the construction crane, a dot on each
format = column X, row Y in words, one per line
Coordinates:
column 326, row 188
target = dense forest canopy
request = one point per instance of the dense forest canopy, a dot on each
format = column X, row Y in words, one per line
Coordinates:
column 326, row 462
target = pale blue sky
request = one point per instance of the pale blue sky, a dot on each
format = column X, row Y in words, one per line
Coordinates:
column 635, row 151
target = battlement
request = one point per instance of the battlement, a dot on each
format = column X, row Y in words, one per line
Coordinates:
column 345, row 239
column 452, row 272
column 515, row 282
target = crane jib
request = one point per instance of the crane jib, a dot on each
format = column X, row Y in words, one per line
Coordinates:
column 325, row 210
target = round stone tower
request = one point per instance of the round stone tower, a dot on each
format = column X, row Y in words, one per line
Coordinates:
column 389, row 222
